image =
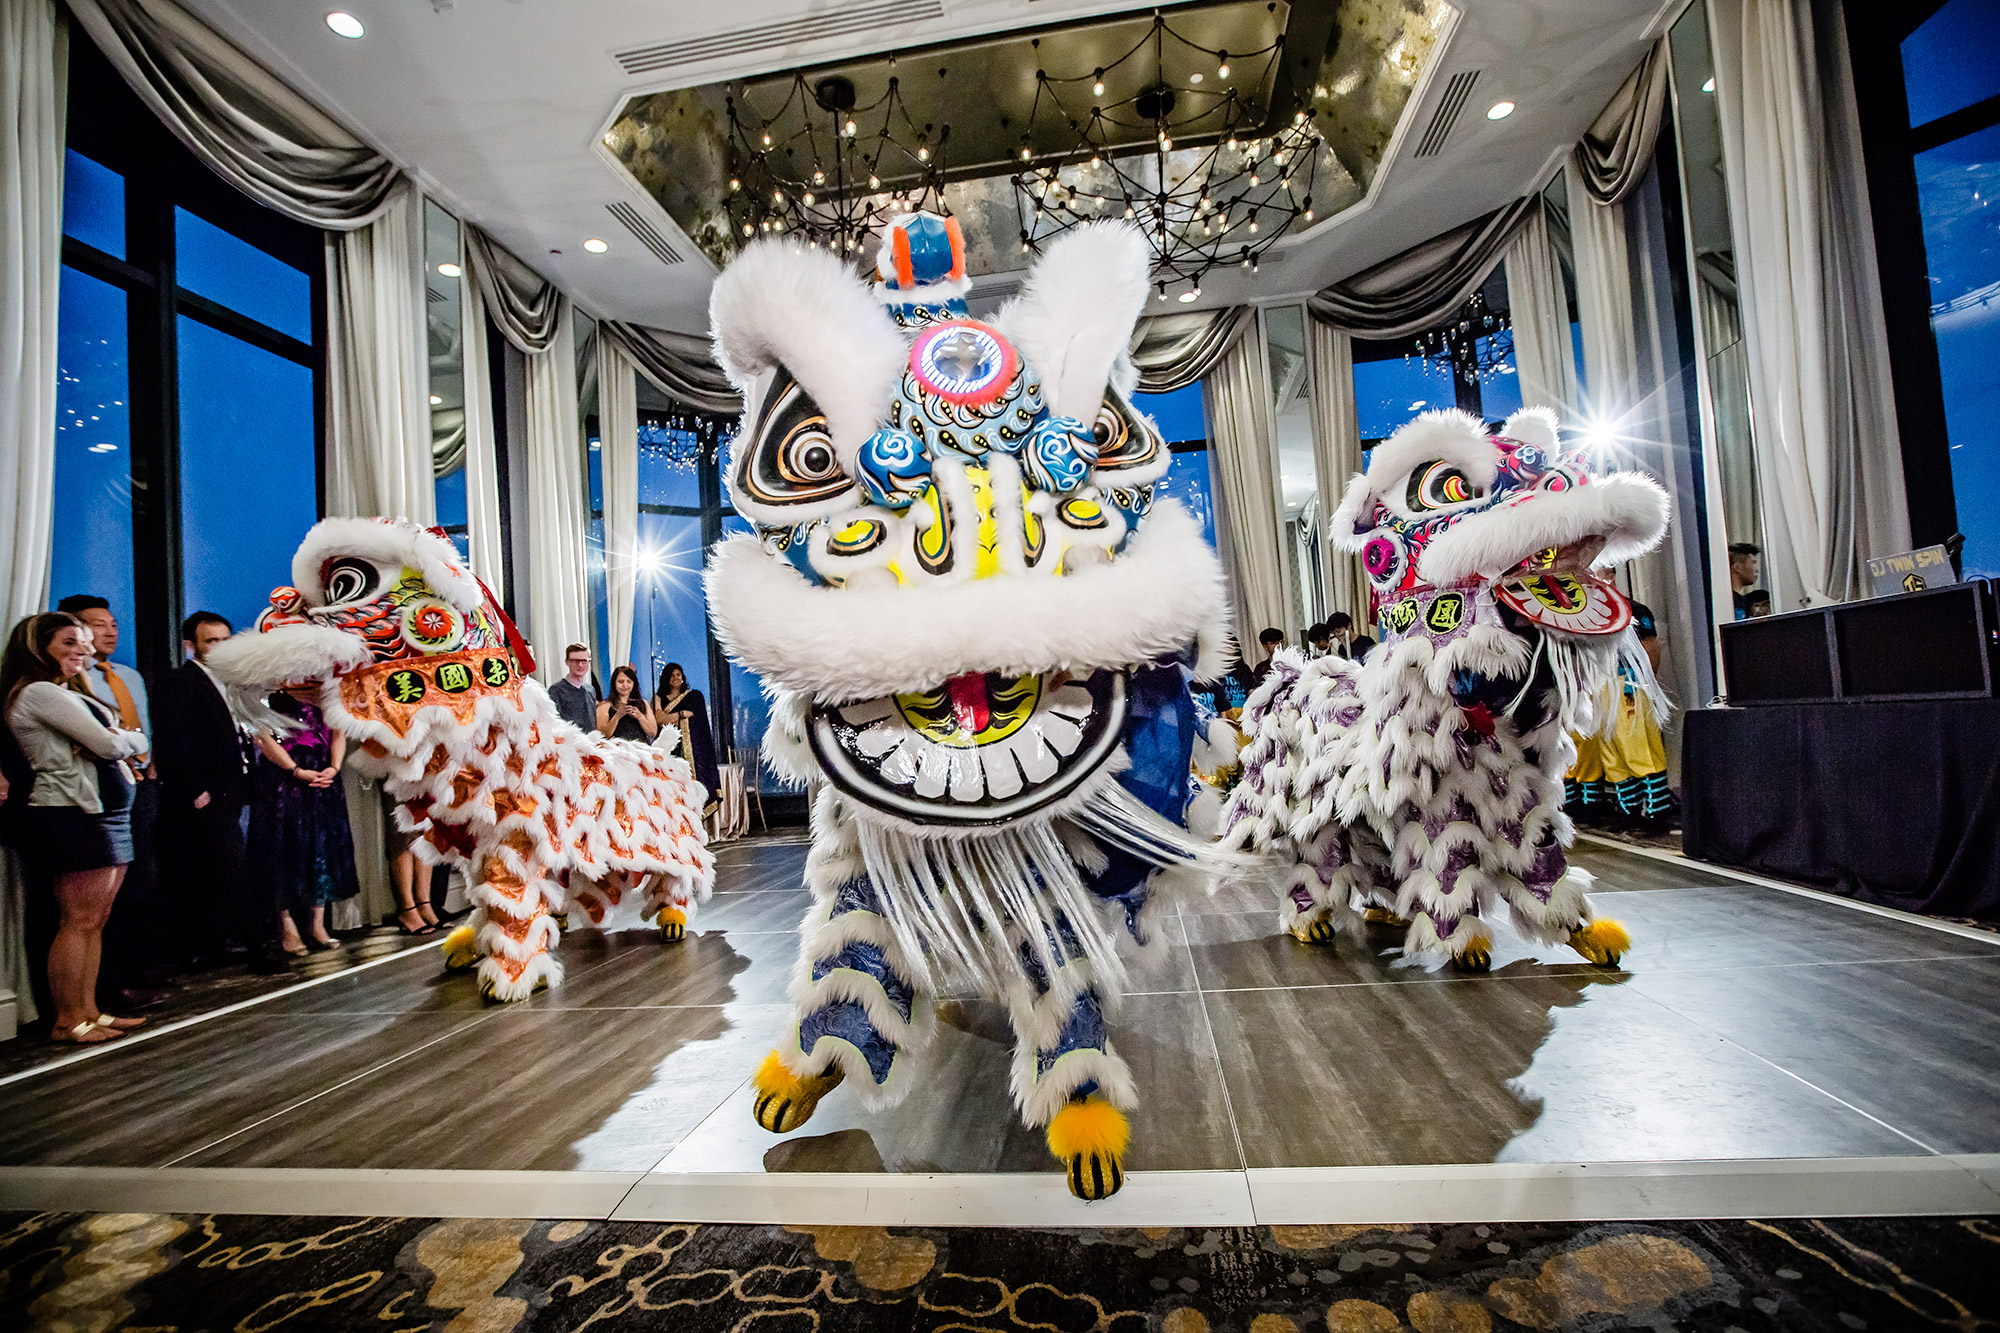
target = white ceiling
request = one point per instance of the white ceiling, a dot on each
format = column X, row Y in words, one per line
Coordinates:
column 497, row 107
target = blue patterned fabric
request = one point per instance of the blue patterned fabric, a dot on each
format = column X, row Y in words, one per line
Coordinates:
column 849, row 1022
column 1083, row 1030
column 868, row 960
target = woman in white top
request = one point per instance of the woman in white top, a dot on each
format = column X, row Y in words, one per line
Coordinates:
column 77, row 826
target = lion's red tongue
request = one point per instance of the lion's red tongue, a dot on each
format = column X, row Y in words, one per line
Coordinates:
column 968, row 701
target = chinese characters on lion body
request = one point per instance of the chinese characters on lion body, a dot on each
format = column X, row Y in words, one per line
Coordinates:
column 976, row 623
column 1426, row 785
column 410, row 657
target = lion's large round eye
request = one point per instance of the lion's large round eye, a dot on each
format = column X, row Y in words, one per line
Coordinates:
column 349, row 580
column 786, row 459
column 1126, row 441
column 1438, row 485
column 806, row 457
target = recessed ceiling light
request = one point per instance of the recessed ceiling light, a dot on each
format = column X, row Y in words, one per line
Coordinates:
column 1709, row 87
column 1500, row 111
column 595, row 246
column 449, row 269
column 436, row 401
column 344, row 23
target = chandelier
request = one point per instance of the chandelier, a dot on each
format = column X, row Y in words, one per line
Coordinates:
column 1478, row 346
column 1194, row 160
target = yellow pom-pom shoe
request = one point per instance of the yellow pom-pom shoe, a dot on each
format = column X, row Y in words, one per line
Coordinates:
column 784, row 1099
column 460, row 950
column 1317, row 930
column 1475, row 955
column 1383, row 916
column 1089, row 1137
column 673, row 924
column 1602, row 942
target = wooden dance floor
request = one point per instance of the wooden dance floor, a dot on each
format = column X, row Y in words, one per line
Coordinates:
column 1762, row 1052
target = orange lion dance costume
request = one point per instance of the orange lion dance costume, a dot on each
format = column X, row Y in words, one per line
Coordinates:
column 410, row 656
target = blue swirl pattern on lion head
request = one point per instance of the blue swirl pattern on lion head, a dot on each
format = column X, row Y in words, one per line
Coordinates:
column 959, row 564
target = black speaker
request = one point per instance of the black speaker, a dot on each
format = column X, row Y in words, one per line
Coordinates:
column 1936, row 644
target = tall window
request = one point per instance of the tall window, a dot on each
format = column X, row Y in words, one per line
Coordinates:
column 1397, row 381
column 1179, row 416
column 1951, row 71
column 188, row 433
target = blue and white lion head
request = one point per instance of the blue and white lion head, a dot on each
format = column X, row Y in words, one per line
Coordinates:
column 959, row 558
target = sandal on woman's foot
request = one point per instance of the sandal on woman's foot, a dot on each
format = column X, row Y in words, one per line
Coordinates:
column 318, row 945
column 428, row 913
column 121, row 1024
column 421, row 928
column 90, row 1033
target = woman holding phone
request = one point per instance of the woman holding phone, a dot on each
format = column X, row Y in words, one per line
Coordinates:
column 626, row 716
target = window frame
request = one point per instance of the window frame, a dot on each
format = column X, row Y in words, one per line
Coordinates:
column 109, row 125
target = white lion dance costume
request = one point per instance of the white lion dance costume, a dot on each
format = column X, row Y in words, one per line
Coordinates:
column 1431, row 777
column 427, row 676
column 976, row 624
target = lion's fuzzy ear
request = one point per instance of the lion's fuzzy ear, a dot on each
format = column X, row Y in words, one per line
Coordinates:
column 1533, row 425
column 781, row 304
column 1074, row 318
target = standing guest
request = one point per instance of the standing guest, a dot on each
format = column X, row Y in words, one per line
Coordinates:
column 686, row 710
column 131, row 937
column 575, row 695
column 203, row 788
column 1271, row 640
column 77, row 825
column 299, row 839
column 626, row 716
column 1320, row 639
column 409, row 877
column 1744, row 560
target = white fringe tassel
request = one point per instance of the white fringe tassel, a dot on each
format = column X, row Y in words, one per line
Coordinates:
column 959, row 903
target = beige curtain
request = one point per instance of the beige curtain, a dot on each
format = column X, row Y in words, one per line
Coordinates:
column 535, row 317
column 1336, row 458
column 682, row 365
column 34, row 70
column 1617, row 149
column 1173, row 351
column 1829, row 456
column 1237, row 397
column 1603, row 301
column 1539, row 313
column 1409, row 292
column 379, row 459
column 618, row 445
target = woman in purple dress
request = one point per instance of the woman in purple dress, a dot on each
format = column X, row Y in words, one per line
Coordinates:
column 300, row 843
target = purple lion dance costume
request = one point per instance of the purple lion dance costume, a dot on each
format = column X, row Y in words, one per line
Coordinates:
column 1426, row 785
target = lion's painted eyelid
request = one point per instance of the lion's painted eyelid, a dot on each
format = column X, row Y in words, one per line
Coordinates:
column 1439, row 485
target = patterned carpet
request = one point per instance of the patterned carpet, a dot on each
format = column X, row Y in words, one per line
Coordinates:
column 92, row 1273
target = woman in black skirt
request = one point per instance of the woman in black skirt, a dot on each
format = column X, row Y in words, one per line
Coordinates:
column 687, row 710
column 77, row 828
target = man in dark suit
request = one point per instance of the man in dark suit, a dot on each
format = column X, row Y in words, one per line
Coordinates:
column 204, row 786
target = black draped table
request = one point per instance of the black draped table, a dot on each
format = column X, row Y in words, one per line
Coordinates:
column 1890, row 803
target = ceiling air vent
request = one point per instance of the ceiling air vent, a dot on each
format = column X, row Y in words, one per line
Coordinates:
column 649, row 235
column 838, row 21
column 1446, row 115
